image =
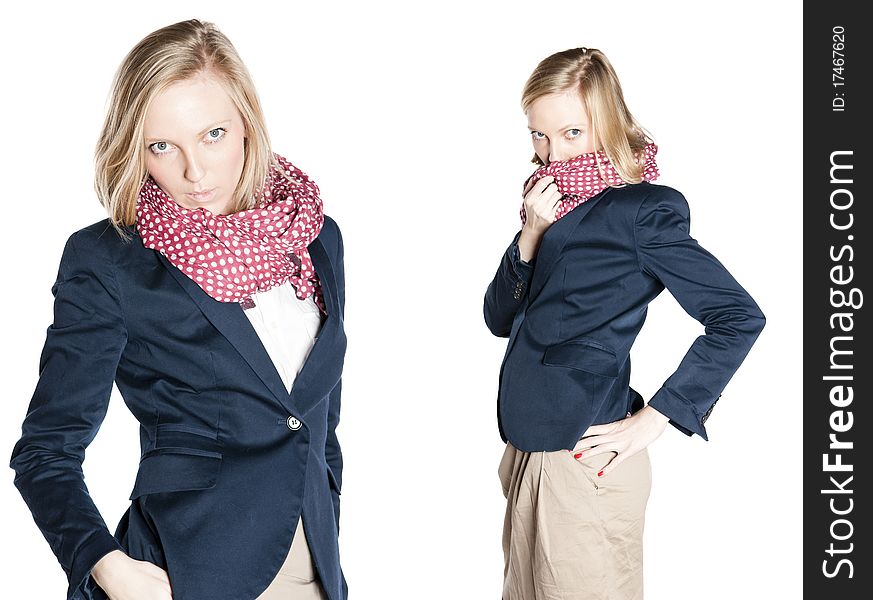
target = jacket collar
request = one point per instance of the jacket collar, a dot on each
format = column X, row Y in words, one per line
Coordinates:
column 321, row 370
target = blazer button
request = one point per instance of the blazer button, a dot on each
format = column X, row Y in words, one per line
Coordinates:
column 293, row 423
column 709, row 411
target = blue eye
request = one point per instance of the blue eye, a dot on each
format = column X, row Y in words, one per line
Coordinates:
column 573, row 133
column 210, row 140
column 215, row 139
column 537, row 135
column 155, row 145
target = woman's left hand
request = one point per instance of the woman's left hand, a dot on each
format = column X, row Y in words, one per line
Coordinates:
column 626, row 437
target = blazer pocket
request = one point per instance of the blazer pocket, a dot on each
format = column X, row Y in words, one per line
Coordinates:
column 180, row 435
column 176, row 470
column 583, row 355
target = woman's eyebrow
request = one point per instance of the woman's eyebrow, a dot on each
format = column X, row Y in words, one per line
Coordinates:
column 209, row 127
column 570, row 126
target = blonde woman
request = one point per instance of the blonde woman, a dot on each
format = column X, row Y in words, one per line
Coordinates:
column 598, row 242
column 213, row 296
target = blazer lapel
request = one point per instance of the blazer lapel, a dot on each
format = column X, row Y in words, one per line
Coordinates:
column 323, row 366
column 230, row 320
column 554, row 240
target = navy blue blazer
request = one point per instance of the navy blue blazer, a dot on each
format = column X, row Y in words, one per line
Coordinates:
column 229, row 460
column 573, row 314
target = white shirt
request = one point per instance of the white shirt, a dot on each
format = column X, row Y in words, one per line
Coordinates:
column 287, row 327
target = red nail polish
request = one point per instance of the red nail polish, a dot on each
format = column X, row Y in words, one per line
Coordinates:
column 600, row 474
column 577, row 455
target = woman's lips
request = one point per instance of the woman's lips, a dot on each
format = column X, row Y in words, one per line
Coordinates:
column 203, row 196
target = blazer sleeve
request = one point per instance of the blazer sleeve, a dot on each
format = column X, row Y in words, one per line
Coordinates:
column 708, row 292
column 76, row 370
column 333, row 452
column 507, row 290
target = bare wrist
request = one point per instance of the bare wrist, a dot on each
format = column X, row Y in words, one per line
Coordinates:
column 656, row 414
column 528, row 243
column 105, row 565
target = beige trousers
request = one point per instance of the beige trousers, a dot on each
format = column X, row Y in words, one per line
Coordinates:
column 569, row 534
column 296, row 579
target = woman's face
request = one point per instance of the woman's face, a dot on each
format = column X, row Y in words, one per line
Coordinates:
column 559, row 126
column 194, row 143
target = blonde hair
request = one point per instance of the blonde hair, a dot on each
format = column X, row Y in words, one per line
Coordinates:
column 171, row 54
column 614, row 129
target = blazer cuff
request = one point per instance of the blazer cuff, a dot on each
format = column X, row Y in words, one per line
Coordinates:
column 683, row 415
column 522, row 270
column 101, row 544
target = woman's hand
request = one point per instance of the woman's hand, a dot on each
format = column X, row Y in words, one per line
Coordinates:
column 540, row 205
column 626, row 437
column 125, row 578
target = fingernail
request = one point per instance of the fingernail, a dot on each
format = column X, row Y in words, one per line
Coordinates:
column 600, row 474
column 577, row 455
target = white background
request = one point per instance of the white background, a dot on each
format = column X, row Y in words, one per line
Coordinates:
column 408, row 117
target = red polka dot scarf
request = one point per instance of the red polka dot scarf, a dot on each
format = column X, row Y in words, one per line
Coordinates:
column 233, row 256
column 579, row 178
